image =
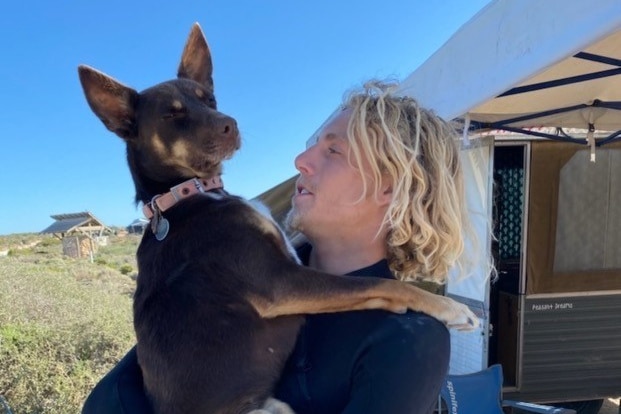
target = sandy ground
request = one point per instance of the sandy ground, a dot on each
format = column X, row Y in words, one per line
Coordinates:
column 611, row 406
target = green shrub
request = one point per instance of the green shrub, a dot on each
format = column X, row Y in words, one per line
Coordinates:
column 20, row 252
column 63, row 324
column 126, row 269
column 49, row 242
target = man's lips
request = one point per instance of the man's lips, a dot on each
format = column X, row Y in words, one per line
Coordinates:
column 301, row 192
column 300, row 189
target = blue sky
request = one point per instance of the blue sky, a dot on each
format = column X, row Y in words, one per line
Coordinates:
column 280, row 68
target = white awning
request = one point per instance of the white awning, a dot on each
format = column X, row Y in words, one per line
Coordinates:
column 529, row 64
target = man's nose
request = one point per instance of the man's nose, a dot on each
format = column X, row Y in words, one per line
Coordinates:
column 302, row 161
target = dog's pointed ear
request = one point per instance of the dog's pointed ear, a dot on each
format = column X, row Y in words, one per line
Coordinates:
column 196, row 59
column 112, row 102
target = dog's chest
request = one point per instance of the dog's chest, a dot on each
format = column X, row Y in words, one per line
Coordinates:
column 270, row 226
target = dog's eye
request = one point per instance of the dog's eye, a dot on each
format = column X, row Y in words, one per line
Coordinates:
column 175, row 112
column 211, row 102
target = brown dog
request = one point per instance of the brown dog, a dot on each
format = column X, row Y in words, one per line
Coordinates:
column 220, row 294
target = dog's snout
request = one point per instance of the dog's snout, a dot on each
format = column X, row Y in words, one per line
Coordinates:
column 228, row 126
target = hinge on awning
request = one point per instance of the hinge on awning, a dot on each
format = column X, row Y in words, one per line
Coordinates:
column 465, row 136
column 591, row 140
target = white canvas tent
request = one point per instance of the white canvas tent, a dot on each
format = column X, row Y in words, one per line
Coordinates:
column 529, row 63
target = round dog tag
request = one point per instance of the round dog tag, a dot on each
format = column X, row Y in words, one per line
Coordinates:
column 161, row 231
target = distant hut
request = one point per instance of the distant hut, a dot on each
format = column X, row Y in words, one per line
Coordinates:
column 81, row 233
column 137, row 226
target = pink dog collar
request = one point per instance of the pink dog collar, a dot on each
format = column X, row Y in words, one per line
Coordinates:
column 163, row 202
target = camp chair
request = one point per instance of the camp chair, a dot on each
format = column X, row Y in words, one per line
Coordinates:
column 481, row 393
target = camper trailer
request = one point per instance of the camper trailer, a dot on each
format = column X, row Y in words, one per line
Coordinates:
column 555, row 308
column 537, row 87
column 551, row 315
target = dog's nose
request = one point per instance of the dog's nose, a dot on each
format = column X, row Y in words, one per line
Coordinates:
column 228, row 127
column 228, row 130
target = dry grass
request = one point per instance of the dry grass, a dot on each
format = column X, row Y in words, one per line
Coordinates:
column 63, row 322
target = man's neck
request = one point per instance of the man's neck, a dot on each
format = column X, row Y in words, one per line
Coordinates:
column 339, row 257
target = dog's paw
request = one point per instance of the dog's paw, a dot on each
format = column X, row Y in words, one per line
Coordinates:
column 458, row 316
column 273, row 406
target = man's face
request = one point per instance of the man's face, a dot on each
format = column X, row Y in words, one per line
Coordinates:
column 329, row 198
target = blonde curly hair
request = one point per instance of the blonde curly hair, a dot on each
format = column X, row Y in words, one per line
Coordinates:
column 418, row 153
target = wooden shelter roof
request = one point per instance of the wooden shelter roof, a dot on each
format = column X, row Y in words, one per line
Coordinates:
column 83, row 222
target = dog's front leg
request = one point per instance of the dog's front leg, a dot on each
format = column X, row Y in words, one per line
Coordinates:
column 305, row 291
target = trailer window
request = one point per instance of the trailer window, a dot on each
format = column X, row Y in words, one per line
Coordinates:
column 588, row 230
column 574, row 219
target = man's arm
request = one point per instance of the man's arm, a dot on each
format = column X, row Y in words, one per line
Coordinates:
column 120, row 391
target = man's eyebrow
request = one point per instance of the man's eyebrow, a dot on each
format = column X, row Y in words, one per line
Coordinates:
column 330, row 137
column 333, row 137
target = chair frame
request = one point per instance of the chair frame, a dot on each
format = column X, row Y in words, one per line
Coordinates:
column 491, row 379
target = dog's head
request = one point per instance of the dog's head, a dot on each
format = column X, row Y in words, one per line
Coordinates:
column 173, row 130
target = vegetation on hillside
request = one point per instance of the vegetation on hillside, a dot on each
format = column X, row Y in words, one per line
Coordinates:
column 63, row 322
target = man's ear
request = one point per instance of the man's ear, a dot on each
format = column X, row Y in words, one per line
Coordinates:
column 384, row 195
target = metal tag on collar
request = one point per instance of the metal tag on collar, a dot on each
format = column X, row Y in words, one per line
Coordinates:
column 161, row 228
column 159, row 224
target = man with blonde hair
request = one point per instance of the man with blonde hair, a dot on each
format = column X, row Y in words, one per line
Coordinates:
column 380, row 193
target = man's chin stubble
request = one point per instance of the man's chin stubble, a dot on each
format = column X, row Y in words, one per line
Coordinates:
column 293, row 221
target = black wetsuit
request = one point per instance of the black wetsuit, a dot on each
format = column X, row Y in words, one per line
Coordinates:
column 366, row 362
